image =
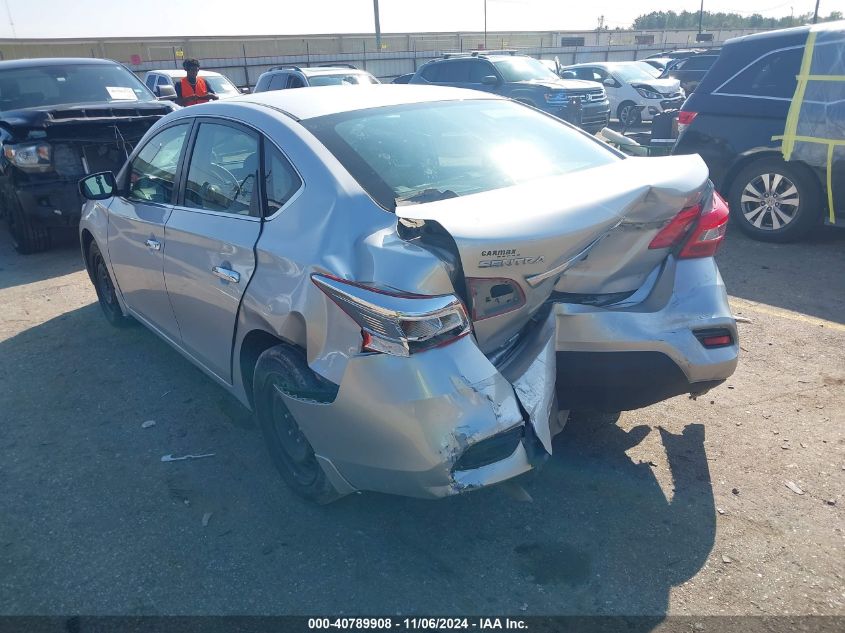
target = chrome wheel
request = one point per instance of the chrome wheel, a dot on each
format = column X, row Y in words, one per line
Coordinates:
column 770, row 201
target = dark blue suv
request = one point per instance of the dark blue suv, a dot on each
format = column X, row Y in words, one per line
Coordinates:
column 522, row 78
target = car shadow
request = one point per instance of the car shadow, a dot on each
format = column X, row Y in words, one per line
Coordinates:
column 223, row 535
column 18, row 270
column 804, row 276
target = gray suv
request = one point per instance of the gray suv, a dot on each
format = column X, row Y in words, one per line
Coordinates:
column 524, row 79
column 283, row 77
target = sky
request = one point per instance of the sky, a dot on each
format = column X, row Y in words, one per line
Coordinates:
column 127, row 18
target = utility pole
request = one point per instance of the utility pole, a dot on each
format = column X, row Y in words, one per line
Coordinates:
column 378, row 25
column 485, row 24
column 700, row 16
column 816, row 14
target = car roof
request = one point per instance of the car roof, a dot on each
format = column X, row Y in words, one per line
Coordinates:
column 175, row 72
column 52, row 61
column 308, row 103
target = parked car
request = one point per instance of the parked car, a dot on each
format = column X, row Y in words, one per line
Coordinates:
column 354, row 271
column 659, row 63
column 523, row 79
column 635, row 94
column 690, row 71
column 220, row 84
column 736, row 121
column 59, row 120
column 283, row 77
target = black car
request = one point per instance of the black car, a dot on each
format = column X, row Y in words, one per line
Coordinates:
column 523, row 79
column 780, row 174
column 61, row 119
column 689, row 71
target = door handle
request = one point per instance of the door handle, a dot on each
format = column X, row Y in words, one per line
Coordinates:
column 226, row 275
column 154, row 245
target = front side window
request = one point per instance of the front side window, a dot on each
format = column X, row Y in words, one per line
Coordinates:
column 770, row 76
column 479, row 70
column 153, row 171
column 419, row 153
column 223, row 171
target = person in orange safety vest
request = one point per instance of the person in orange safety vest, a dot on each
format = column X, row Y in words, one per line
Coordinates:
column 193, row 89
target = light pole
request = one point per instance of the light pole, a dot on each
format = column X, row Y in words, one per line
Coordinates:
column 378, row 25
column 816, row 14
column 700, row 17
column 485, row 24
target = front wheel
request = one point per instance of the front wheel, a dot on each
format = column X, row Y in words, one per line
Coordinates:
column 27, row 237
column 283, row 370
column 775, row 201
column 629, row 113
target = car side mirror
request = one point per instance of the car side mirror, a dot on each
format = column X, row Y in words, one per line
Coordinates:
column 567, row 74
column 166, row 92
column 98, row 186
column 610, row 82
column 245, row 90
column 489, row 80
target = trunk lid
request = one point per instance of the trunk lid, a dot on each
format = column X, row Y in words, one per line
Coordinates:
column 586, row 232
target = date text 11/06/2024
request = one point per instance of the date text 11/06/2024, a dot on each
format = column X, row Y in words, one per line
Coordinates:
column 417, row 623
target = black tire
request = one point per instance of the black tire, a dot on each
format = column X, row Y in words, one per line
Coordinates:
column 634, row 117
column 104, row 286
column 27, row 238
column 759, row 221
column 284, row 368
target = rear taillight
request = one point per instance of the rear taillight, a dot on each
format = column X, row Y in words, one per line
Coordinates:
column 397, row 323
column 709, row 232
column 698, row 234
column 677, row 229
column 684, row 119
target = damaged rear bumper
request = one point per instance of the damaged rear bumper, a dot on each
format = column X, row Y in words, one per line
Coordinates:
column 436, row 423
column 645, row 349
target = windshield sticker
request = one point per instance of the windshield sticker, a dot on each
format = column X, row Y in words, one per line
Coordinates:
column 121, row 93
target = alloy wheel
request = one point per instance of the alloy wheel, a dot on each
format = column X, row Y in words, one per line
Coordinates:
column 770, row 201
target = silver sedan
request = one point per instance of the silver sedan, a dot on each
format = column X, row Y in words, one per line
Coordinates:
column 407, row 283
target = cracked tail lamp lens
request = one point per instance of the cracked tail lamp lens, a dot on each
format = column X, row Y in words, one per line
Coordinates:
column 493, row 296
column 397, row 323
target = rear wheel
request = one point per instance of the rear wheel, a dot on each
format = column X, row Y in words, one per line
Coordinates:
column 283, row 370
column 774, row 201
column 27, row 238
column 106, row 295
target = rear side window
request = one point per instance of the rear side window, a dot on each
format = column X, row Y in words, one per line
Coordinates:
column 770, row 76
column 280, row 179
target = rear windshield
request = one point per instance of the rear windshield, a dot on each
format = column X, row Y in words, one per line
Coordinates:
column 41, row 86
column 342, row 79
column 418, row 153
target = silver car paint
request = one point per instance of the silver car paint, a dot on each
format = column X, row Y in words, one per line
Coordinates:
column 399, row 424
